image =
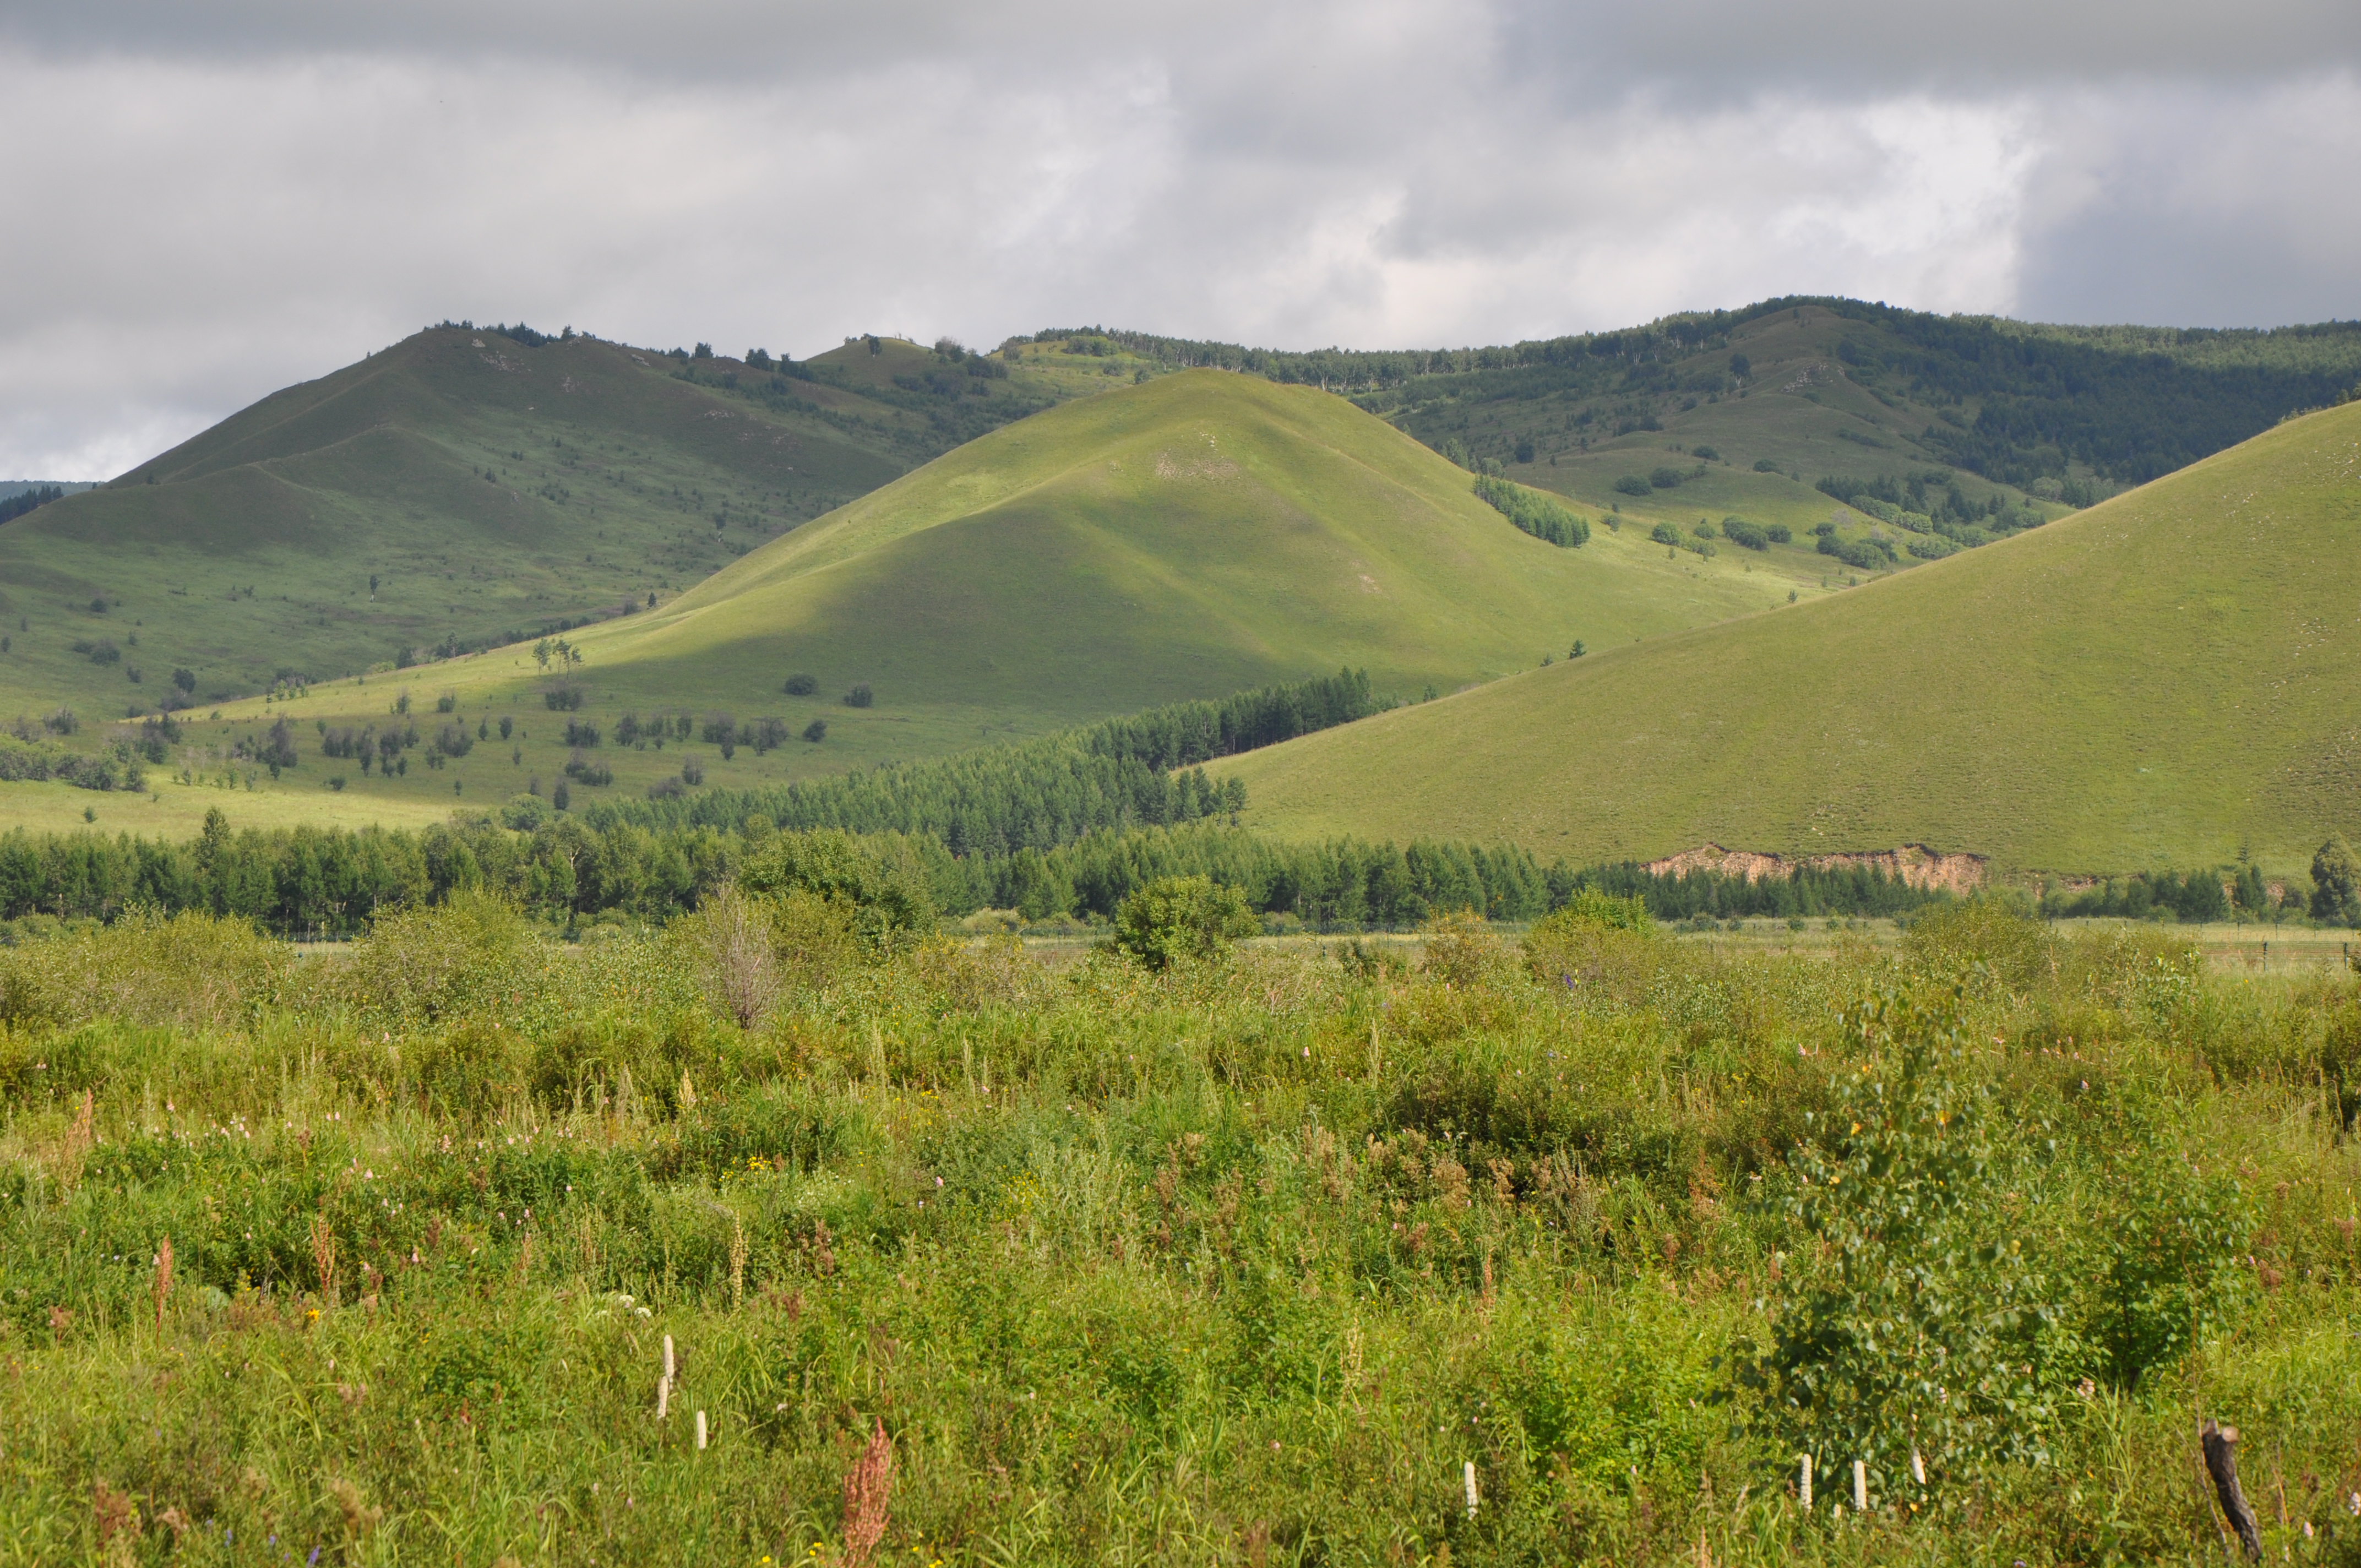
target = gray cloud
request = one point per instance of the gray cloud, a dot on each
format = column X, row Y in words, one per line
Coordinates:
column 232, row 197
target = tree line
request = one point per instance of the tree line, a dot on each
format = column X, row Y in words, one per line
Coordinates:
column 1139, row 771
column 322, row 883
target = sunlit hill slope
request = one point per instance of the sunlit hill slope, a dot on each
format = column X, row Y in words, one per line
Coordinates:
column 2166, row 679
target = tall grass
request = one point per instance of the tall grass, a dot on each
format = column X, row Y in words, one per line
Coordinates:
column 1244, row 1261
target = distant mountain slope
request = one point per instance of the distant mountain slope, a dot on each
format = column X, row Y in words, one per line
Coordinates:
column 461, row 489
column 2160, row 681
column 1189, row 537
column 1969, row 420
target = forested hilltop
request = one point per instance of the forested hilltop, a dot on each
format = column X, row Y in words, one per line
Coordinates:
column 2129, row 403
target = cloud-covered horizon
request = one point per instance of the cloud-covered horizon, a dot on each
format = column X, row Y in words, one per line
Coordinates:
column 214, row 201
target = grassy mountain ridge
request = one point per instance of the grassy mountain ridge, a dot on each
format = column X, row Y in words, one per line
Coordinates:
column 458, row 489
column 2167, row 679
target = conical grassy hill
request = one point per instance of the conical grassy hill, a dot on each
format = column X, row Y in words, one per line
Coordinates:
column 1188, row 537
column 2160, row 681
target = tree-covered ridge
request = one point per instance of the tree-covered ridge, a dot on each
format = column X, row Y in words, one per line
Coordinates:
column 2129, row 402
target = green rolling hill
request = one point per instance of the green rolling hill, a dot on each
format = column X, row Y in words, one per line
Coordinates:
column 1187, row 537
column 459, row 489
column 2165, row 680
column 1978, row 426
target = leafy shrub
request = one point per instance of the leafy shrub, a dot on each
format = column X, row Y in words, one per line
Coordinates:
column 524, row 813
column 472, row 956
column 1705, row 453
column 1766, row 466
column 562, row 696
column 1632, row 485
column 579, row 732
column 860, row 696
column 595, row 774
column 1664, row 479
column 1990, row 936
column 1745, row 534
column 816, row 732
column 1666, row 533
column 1861, row 555
column 1590, row 906
column 453, row 740
column 801, row 685
column 1916, row 1325
column 1600, row 945
column 192, row 968
column 1176, row 918
column 1780, row 534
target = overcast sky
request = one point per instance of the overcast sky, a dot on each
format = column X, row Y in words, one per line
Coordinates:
column 210, row 199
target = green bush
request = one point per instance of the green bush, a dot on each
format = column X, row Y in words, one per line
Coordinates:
column 192, row 968
column 473, row 957
column 1175, row 918
column 1664, row 479
column 1914, row 1324
column 878, row 880
column 1632, row 485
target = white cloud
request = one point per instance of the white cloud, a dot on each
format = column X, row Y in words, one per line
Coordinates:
column 266, row 192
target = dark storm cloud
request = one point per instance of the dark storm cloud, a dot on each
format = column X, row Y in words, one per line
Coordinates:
column 239, row 195
column 1850, row 42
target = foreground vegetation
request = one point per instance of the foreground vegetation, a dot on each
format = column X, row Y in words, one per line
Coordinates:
column 1259, row 1259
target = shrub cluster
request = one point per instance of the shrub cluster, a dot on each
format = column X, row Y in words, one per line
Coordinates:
column 950, row 1252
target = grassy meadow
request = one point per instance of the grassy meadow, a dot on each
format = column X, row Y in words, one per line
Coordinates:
column 2164, row 679
column 963, row 1258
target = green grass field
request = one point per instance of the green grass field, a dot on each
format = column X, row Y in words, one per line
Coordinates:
column 2164, row 680
column 485, row 1251
column 1190, row 536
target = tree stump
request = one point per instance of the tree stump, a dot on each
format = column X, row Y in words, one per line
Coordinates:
column 2221, row 1443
